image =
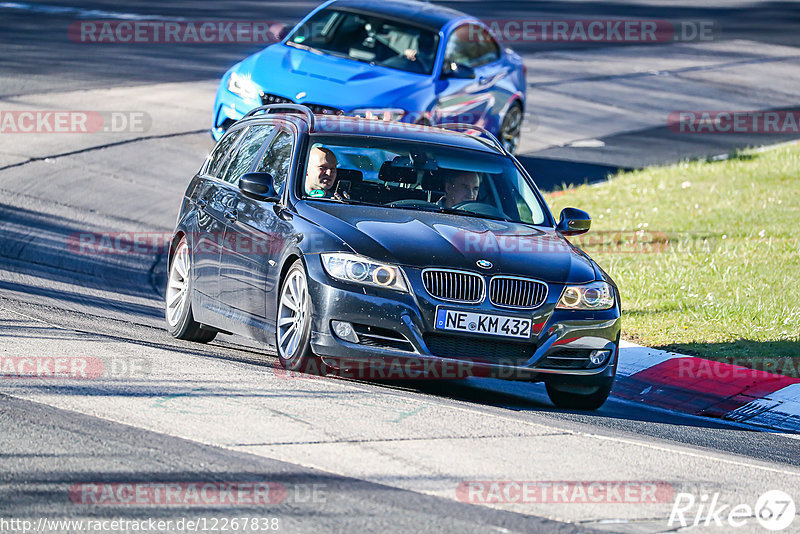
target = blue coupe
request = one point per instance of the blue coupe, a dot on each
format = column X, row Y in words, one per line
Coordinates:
column 398, row 60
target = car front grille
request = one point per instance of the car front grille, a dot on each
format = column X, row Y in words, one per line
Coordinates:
column 457, row 286
column 267, row 98
column 316, row 109
column 479, row 350
column 513, row 292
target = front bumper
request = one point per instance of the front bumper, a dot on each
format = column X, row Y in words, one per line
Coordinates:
column 397, row 337
column 228, row 108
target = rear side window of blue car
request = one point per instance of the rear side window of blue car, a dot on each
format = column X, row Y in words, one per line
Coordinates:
column 471, row 45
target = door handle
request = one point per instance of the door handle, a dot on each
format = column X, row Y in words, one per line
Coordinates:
column 232, row 215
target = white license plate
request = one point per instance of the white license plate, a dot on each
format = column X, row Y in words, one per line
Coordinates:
column 482, row 323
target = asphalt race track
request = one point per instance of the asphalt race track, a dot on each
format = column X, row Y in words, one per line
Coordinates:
column 352, row 456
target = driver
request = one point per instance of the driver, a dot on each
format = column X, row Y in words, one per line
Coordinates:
column 460, row 186
column 321, row 173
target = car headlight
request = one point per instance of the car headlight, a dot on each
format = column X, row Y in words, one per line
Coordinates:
column 243, row 86
column 362, row 270
column 386, row 114
column 594, row 296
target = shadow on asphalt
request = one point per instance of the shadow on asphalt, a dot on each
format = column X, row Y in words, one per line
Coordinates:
column 554, row 174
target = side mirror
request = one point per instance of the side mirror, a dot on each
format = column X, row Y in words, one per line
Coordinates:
column 574, row 222
column 258, row 186
column 457, row 70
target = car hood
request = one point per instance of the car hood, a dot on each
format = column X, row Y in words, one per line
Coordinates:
column 421, row 239
column 329, row 80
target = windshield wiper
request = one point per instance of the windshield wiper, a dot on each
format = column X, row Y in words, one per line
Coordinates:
column 452, row 211
column 306, row 47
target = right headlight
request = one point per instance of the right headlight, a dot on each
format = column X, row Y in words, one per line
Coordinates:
column 243, row 86
column 362, row 270
column 594, row 296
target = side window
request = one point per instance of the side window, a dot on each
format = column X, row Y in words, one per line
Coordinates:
column 277, row 159
column 471, row 45
column 220, row 155
column 246, row 153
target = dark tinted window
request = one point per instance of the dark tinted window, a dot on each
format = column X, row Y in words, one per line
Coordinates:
column 277, row 159
column 247, row 151
column 221, row 153
column 399, row 174
column 471, row 45
column 370, row 39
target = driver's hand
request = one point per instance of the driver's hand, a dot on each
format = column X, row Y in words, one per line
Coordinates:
column 411, row 54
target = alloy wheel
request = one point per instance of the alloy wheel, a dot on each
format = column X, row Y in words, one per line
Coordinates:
column 511, row 128
column 292, row 314
column 178, row 285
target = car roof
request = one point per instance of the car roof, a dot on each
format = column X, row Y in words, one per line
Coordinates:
column 397, row 130
column 421, row 13
column 454, row 134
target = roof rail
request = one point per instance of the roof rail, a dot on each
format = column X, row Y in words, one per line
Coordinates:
column 309, row 115
column 488, row 138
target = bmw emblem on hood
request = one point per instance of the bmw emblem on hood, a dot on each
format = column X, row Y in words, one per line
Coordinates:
column 484, row 264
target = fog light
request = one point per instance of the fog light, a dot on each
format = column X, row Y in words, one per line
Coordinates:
column 597, row 357
column 344, row 330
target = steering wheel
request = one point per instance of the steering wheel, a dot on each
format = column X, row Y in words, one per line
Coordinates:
column 481, row 208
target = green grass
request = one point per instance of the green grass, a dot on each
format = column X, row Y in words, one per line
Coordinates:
column 706, row 254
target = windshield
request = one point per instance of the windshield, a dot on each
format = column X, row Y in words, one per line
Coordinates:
column 406, row 175
column 370, row 39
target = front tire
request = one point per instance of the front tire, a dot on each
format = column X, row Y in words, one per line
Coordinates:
column 573, row 398
column 178, row 299
column 293, row 324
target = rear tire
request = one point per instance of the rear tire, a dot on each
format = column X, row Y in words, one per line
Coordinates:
column 511, row 128
column 178, row 299
column 569, row 398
